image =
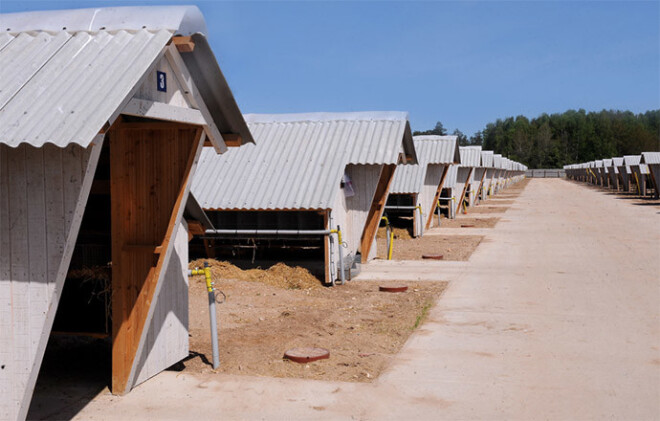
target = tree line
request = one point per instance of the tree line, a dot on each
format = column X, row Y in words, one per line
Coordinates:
column 554, row 140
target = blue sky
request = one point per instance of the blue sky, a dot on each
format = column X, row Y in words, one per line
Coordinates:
column 463, row 63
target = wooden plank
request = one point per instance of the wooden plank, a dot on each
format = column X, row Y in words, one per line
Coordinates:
column 184, row 44
column 195, row 227
column 232, row 140
column 438, row 192
column 376, row 210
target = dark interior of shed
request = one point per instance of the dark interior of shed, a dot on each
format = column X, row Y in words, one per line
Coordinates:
column 249, row 251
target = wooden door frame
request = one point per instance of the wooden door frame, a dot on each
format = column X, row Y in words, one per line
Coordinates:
column 376, row 210
column 127, row 345
column 436, row 197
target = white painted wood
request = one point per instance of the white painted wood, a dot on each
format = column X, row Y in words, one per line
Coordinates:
column 194, row 97
column 175, row 95
column 40, row 213
column 429, row 188
column 8, row 401
column 159, row 111
column 167, row 339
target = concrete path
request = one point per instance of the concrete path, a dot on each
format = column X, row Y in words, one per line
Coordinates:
column 555, row 316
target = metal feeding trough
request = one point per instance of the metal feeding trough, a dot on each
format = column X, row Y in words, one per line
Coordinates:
column 306, row 355
column 400, row 288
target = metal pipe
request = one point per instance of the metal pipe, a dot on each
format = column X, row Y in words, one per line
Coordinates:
column 400, row 207
column 212, row 315
column 331, row 261
column 341, row 255
column 390, row 236
column 266, row 232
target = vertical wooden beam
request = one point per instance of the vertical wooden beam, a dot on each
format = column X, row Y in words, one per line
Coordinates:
column 376, row 210
column 436, row 197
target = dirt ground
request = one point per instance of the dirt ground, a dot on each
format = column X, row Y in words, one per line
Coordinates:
column 361, row 327
column 487, row 209
column 451, row 247
column 477, row 222
column 497, row 201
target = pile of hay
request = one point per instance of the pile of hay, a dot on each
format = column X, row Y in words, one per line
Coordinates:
column 279, row 275
column 399, row 233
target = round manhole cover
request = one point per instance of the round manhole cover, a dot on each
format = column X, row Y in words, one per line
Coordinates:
column 400, row 288
column 306, row 355
column 433, row 256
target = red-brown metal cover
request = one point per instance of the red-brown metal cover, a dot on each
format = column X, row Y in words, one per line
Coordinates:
column 306, row 355
column 400, row 288
column 433, row 256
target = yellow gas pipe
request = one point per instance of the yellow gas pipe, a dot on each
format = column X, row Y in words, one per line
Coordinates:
column 391, row 245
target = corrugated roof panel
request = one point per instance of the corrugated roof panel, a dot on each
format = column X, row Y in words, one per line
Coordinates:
column 298, row 160
column 5, row 39
column 632, row 159
column 75, row 83
column 487, row 158
column 470, row 156
column 430, row 150
column 497, row 160
column 652, row 158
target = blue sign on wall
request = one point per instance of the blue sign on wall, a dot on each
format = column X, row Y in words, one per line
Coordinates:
column 161, row 81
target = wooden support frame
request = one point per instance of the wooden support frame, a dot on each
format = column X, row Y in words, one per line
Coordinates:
column 436, row 197
column 465, row 186
column 184, row 44
column 376, row 210
column 481, row 186
column 150, row 175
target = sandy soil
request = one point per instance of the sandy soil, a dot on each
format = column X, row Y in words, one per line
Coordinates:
column 361, row 327
column 454, row 247
column 498, row 202
column 487, row 209
column 477, row 222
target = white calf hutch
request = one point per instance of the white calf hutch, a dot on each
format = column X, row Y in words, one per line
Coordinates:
column 469, row 175
column 281, row 199
column 416, row 189
column 103, row 114
column 487, row 160
column 652, row 161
